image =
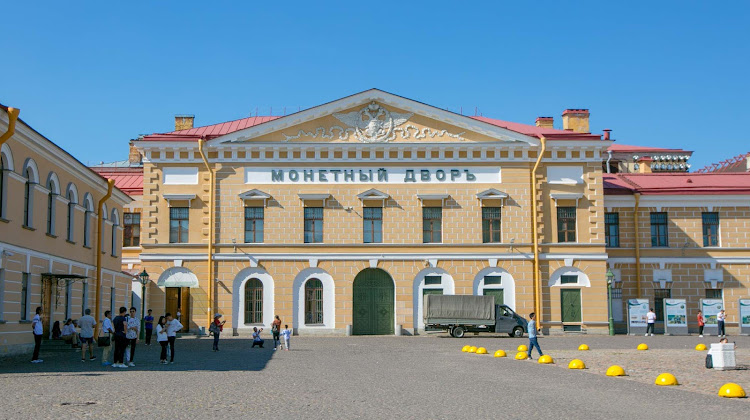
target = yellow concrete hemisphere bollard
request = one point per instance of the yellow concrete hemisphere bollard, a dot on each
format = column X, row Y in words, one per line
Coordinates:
column 481, row 350
column 473, row 349
column 546, row 359
column 522, row 348
column 583, row 347
column 700, row 347
column 465, row 348
column 576, row 364
column 642, row 346
column 521, row 355
column 615, row 370
column 666, row 379
column 500, row 353
column 732, row 390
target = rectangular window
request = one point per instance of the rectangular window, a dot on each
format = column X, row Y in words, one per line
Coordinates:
column 612, row 229
column 566, row 224
column 659, row 296
column 433, row 280
column 178, row 225
column 131, row 234
column 313, row 225
column 432, row 224
column 569, row 279
column 373, row 225
column 659, row 229
column 24, row 296
column 713, row 294
column 710, row 229
column 491, row 225
column 254, row 225
column 490, row 280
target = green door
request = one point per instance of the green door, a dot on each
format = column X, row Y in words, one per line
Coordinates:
column 498, row 294
column 570, row 299
column 374, row 299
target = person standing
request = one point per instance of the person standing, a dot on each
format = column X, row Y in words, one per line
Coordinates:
column 149, row 327
column 531, row 329
column 216, row 328
column 38, row 331
column 701, row 323
column 87, row 323
column 107, row 331
column 275, row 328
column 720, row 317
column 651, row 320
column 257, row 341
column 286, row 333
column 161, row 338
column 121, row 341
column 173, row 326
column 134, row 328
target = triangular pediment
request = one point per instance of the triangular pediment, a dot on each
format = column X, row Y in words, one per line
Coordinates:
column 254, row 195
column 374, row 116
column 373, row 194
column 491, row 194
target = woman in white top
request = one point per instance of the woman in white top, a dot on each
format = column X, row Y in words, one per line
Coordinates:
column 161, row 337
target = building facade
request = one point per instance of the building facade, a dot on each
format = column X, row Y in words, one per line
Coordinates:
column 49, row 235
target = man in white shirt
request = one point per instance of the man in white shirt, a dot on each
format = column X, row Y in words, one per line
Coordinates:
column 87, row 323
column 173, row 326
column 134, row 327
column 107, row 331
column 651, row 319
column 38, row 330
column 720, row 317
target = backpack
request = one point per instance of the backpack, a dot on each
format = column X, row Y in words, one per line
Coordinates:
column 709, row 362
column 213, row 328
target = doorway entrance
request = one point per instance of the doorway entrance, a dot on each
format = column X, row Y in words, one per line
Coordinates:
column 374, row 299
column 570, row 306
column 178, row 300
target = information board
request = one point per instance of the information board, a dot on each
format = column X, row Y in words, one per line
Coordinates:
column 675, row 317
column 744, row 316
column 710, row 308
column 637, row 310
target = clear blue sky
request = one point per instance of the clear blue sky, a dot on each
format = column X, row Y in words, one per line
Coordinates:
column 92, row 75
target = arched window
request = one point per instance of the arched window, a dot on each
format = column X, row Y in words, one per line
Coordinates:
column 115, row 225
column 3, row 188
column 313, row 302
column 71, row 215
column 54, row 191
column 28, row 198
column 253, row 302
column 87, row 221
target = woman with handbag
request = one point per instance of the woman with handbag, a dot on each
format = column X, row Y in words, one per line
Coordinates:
column 161, row 338
column 104, row 340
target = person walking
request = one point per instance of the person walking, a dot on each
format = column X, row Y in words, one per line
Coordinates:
column 173, row 326
column 161, row 338
column 257, row 341
column 275, row 329
column 720, row 317
column 286, row 333
column 134, row 328
column 651, row 320
column 701, row 323
column 107, row 331
column 38, row 330
column 121, row 341
column 87, row 323
column 531, row 329
column 149, row 327
column 216, row 328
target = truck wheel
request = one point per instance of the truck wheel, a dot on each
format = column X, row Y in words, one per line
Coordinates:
column 517, row 332
column 459, row 332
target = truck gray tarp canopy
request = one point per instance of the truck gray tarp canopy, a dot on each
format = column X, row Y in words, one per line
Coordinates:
column 459, row 307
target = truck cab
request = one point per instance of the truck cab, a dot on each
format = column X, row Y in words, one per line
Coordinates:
column 507, row 321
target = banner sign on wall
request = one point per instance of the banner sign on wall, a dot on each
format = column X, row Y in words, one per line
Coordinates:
column 637, row 310
column 711, row 307
column 675, row 316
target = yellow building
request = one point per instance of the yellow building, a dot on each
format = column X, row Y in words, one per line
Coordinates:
column 51, row 236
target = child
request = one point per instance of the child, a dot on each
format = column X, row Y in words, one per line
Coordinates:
column 286, row 333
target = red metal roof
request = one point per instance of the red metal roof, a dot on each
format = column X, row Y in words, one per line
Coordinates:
column 735, row 164
column 677, row 183
column 534, row 131
column 625, row 148
column 129, row 180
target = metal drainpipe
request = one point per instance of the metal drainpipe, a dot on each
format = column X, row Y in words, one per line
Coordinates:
column 12, row 118
column 100, row 223
column 637, row 246
column 535, row 239
column 201, row 143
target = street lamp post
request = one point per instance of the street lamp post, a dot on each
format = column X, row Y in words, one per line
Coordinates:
column 610, row 279
column 143, row 278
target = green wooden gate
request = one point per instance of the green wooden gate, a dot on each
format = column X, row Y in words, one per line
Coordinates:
column 499, row 295
column 374, row 300
column 570, row 301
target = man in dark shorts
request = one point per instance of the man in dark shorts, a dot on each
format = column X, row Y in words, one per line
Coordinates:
column 121, row 342
column 87, row 323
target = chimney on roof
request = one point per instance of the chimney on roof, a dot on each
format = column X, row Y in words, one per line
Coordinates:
column 544, row 122
column 183, row 122
column 134, row 156
column 576, row 120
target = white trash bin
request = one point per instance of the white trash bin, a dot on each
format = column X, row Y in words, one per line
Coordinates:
column 722, row 356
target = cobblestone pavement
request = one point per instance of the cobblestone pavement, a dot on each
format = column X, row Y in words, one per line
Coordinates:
column 378, row 377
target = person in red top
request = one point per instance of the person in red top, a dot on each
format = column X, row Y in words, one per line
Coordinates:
column 701, row 323
column 216, row 328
